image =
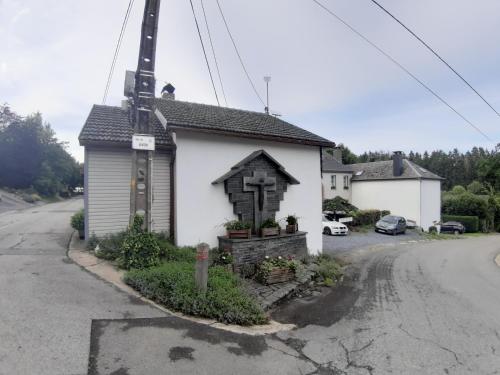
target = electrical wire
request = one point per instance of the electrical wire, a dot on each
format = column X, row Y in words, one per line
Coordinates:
column 117, row 50
column 239, row 56
column 436, row 54
column 204, row 52
column 213, row 52
column 402, row 68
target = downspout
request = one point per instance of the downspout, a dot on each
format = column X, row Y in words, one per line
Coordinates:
column 172, row 194
column 86, row 192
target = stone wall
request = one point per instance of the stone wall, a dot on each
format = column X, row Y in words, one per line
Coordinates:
column 254, row 250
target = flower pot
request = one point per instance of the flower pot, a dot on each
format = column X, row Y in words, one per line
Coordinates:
column 239, row 233
column 81, row 233
column 268, row 232
column 292, row 228
column 278, row 275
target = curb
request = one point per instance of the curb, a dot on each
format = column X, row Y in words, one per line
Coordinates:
column 107, row 272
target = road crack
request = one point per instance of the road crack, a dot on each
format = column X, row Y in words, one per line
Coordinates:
column 455, row 355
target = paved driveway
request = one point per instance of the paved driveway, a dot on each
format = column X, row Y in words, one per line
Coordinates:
column 334, row 245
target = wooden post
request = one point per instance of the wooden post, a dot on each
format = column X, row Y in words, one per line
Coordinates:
column 201, row 273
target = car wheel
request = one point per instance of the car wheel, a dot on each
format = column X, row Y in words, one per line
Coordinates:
column 456, row 232
column 404, row 232
column 327, row 231
column 394, row 232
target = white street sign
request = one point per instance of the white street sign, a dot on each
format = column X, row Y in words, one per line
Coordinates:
column 143, row 142
column 345, row 220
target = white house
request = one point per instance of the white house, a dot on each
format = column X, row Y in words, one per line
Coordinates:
column 195, row 145
column 398, row 185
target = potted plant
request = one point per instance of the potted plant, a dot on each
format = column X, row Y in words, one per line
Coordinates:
column 277, row 270
column 292, row 225
column 78, row 223
column 238, row 229
column 269, row 227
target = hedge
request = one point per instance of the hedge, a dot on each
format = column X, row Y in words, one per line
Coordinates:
column 368, row 217
column 471, row 223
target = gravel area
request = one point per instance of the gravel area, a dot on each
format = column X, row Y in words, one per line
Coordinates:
column 355, row 240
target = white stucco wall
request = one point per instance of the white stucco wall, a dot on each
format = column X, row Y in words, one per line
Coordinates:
column 430, row 203
column 202, row 208
column 329, row 193
column 401, row 197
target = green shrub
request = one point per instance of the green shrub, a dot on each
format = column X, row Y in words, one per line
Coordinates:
column 338, row 204
column 78, row 220
column 237, row 225
column 475, row 187
column 384, row 213
column 432, row 229
column 366, row 217
column 110, row 246
column 181, row 254
column 140, row 249
column 292, row 220
column 269, row 223
column 329, row 269
column 471, row 223
column 458, row 190
column 465, row 204
column 172, row 284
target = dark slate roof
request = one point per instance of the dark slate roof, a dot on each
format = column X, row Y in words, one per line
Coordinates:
column 110, row 125
column 330, row 164
column 241, row 165
column 236, row 122
column 382, row 170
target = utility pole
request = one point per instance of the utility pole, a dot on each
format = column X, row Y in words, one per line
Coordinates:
column 143, row 142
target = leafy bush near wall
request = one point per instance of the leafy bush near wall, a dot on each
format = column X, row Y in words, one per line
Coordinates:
column 367, row 217
column 471, row 223
column 172, row 284
column 140, row 249
column 338, row 204
column 78, row 220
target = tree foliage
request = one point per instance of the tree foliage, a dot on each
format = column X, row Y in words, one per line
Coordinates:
column 32, row 157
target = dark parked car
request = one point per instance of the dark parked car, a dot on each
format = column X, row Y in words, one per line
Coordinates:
column 452, row 227
column 391, row 224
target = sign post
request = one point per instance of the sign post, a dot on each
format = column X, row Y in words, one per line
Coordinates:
column 201, row 272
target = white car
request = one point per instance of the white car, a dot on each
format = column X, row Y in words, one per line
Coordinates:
column 332, row 227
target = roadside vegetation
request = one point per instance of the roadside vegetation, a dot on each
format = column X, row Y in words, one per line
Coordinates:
column 34, row 164
column 164, row 273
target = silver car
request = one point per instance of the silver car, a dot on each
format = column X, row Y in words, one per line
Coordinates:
column 391, row 224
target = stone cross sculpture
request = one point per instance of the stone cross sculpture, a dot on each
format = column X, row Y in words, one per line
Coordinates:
column 260, row 184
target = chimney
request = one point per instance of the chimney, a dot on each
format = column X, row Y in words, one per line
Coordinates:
column 397, row 163
column 337, row 154
column 167, row 92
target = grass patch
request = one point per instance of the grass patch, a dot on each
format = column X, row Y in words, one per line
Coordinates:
column 172, row 285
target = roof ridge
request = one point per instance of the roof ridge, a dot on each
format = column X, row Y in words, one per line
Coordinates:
column 412, row 167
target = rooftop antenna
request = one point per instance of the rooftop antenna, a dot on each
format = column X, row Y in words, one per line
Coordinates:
column 267, row 79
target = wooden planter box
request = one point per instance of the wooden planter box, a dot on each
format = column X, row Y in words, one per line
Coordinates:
column 267, row 232
column 292, row 228
column 240, row 233
column 278, row 275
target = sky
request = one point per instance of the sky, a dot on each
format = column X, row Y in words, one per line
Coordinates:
column 55, row 58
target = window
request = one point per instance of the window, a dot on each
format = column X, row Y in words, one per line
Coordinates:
column 333, row 179
column 346, row 182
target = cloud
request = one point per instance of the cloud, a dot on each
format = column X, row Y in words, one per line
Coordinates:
column 56, row 59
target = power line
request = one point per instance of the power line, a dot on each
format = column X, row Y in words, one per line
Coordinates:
column 402, row 68
column 239, row 56
column 117, row 50
column 213, row 52
column 436, row 54
column 204, row 52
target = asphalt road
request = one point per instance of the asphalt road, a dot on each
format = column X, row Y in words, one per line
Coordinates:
column 47, row 303
column 414, row 308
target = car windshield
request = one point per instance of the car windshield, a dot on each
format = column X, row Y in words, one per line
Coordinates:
column 326, row 218
column 389, row 219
